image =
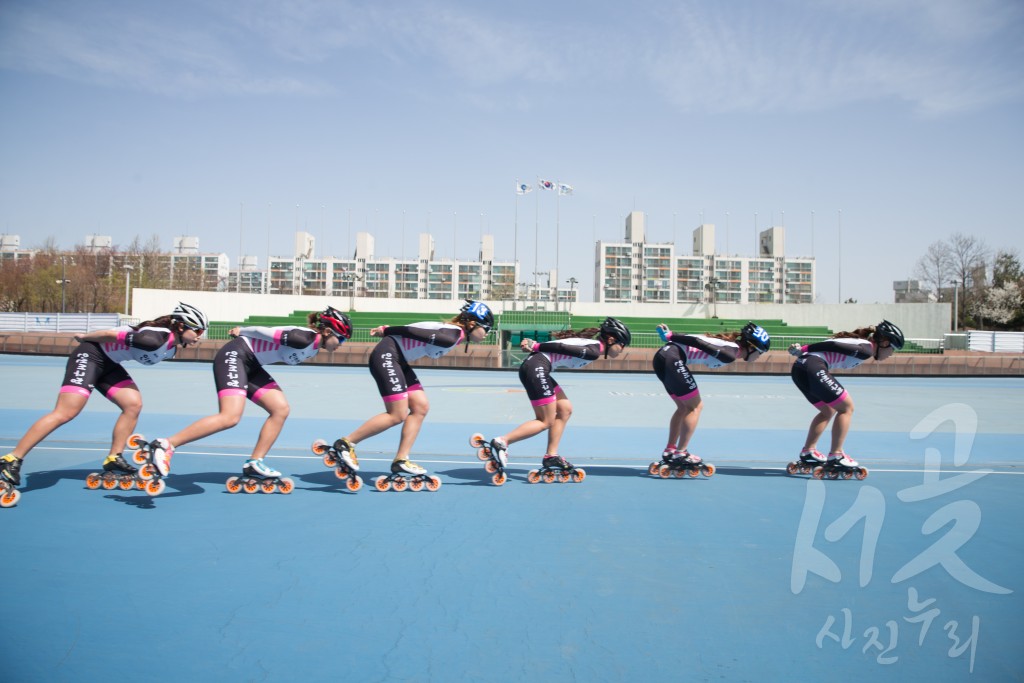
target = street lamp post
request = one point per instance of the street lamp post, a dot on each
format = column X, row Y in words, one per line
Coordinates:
column 127, row 286
column 63, row 283
column 712, row 286
column 572, row 291
column 956, row 307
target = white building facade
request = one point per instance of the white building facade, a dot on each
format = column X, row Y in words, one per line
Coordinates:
column 637, row 271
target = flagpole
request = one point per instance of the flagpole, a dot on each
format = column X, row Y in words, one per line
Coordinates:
column 558, row 221
column 536, row 236
column 515, row 247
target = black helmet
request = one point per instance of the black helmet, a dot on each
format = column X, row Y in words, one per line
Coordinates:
column 478, row 312
column 337, row 322
column 616, row 330
column 886, row 330
column 756, row 336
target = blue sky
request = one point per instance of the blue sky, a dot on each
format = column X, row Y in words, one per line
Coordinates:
column 242, row 121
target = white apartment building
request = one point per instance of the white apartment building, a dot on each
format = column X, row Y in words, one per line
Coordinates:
column 366, row 275
column 642, row 272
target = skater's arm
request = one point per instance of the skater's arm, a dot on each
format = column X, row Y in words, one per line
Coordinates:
column 860, row 349
column 98, row 336
column 433, row 334
column 587, row 349
column 720, row 349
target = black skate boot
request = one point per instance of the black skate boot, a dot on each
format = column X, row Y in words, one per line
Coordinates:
column 10, row 469
column 118, row 465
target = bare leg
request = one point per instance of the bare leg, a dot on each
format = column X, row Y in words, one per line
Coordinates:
column 545, row 417
column 69, row 405
column 231, row 409
column 419, row 406
column 563, row 411
column 841, row 427
column 396, row 412
column 818, row 425
column 274, row 402
column 689, row 412
column 129, row 400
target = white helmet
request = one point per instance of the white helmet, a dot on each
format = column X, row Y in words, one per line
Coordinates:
column 191, row 316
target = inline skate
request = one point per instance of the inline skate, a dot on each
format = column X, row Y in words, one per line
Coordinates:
column 684, row 463
column 117, row 473
column 807, row 462
column 495, row 454
column 556, row 468
column 406, row 474
column 256, row 476
column 654, row 469
column 342, row 457
column 10, row 477
column 145, row 455
column 839, row 467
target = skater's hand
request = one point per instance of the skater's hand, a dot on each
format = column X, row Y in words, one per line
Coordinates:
column 795, row 349
column 664, row 332
column 527, row 344
column 378, row 331
column 233, row 332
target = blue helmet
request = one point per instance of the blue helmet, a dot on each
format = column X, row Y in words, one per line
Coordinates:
column 756, row 336
column 478, row 312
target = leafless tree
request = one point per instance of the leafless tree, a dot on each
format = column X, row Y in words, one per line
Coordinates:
column 935, row 268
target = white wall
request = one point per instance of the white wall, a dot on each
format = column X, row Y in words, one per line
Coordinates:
column 918, row 321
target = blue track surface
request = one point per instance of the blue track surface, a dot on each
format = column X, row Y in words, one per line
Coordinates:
column 751, row 575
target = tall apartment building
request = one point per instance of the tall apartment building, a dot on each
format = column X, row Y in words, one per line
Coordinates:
column 640, row 271
column 366, row 275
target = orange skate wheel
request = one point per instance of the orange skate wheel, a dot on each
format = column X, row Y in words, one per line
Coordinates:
column 9, row 498
column 679, row 474
column 341, row 474
column 382, row 484
column 140, row 484
column 654, row 469
column 818, row 472
column 477, row 440
column 400, row 484
column 862, row 473
column 126, row 484
column 93, row 481
column 482, row 454
column 433, row 483
column 416, row 484
column 693, row 472
column 250, row 486
column 499, row 478
column 155, row 488
column 491, row 466
column 136, row 441
column 548, row 477
column 533, row 476
column 109, row 483
column 564, row 477
column 708, row 470
column 140, row 457
column 319, row 447
column 354, row 483
column 579, row 475
column 147, row 472
column 286, row 485
column 268, row 486
column 793, row 468
column 329, row 460
column 232, row 485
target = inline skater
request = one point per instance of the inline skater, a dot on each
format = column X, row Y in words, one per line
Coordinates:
column 97, row 363
column 239, row 373
column 671, row 365
column 812, row 376
column 405, row 401
column 552, row 408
